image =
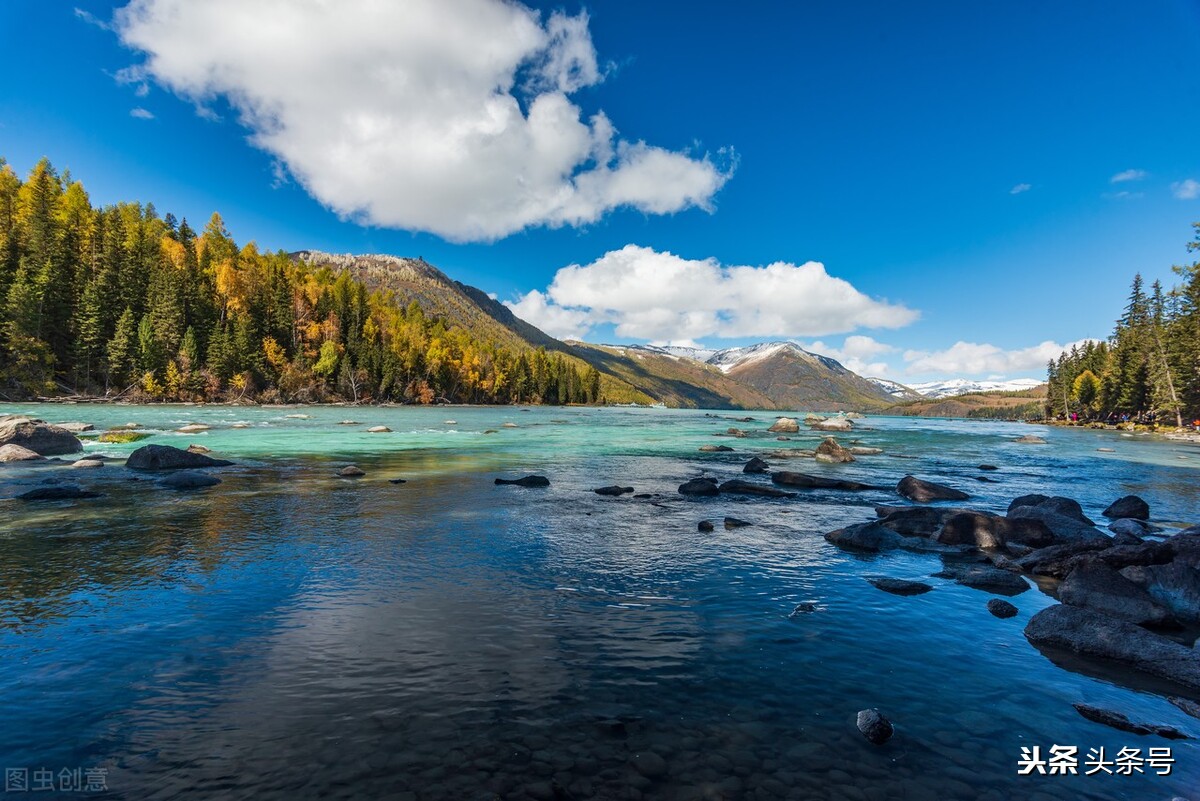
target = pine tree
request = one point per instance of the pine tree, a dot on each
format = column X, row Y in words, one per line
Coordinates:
column 123, row 350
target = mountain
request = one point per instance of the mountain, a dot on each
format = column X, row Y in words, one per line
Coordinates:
column 963, row 386
column 1023, row 404
column 769, row 375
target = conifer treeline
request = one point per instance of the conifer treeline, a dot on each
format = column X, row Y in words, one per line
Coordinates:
column 1149, row 369
column 117, row 301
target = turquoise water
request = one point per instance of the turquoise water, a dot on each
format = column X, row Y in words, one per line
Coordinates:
column 290, row 634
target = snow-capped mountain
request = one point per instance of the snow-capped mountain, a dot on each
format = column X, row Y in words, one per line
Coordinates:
column 895, row 388
column 963, row 386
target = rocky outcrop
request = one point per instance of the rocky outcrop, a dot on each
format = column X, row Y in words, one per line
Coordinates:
column 38, row 436
column 1176, row 586
column 705, row 486
column 915, row 521
column 739, row 487
column 922, row 491
column 830, row 451
column 991, row 531
column 756, row 465
column 1099, row 636
column 165, row 457
column 1129, row 506
column 614, row 490
column 785, row 425
column 790, row 479
column 1057, row 560
column 525, row 481
column 899, row 586
column 1064, row 529
column 1096, row 586
column 18, row 453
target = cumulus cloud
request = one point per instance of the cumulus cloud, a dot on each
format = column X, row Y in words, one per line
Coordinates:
column 448, row 117
column 1128, row 175
column 561, row 323
column 972, row 358
column 1188, row 189
column 658, row 296
column 1019, row 188
column 141, row 113
column 856, row 353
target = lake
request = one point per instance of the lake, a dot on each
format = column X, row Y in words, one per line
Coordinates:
column 290, row 634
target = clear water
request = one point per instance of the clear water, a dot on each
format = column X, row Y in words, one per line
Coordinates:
column 291, row 635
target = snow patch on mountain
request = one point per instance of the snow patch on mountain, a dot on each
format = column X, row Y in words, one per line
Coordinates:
column 963, row 386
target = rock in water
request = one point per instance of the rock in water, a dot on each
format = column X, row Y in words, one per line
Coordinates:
column 193, row 428
column 830, row 451
column 874, row 726
column 926, row 491
column 57, row 492
column 649, row 764
column 756, row 465
column 1097, row 586
column 351, row 471
column 1030, row 439
column 859, row 450
column 785, row 425
column 805, row 608
column 397, row 481
column 985, row 578
column 37, row 436
column 790, row 479
column 1001, row 608
column 1100, row 636
column 699, row 486
column 379, row 430
column 733, row 522
column 76, row 428
column 869, row 537
column 613, row 490
column 1190, row 707
column 715, row 448
column 165, row 457
column 1065, row 529
column 526, row 481
column 85, row 464
column 1176, row 586
column 18, row 453
column 704, row 525
column 749, row 488
column 833, row 424
column 988, row 467
column 899, row 586
column 198, row 449
column 1129, row 506
column 189, row 479
column 1118, row 721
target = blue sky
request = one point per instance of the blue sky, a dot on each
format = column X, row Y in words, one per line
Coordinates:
column 953, row 166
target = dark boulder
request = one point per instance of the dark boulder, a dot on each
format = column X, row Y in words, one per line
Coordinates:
column 1176, row 586
column 805, row 608
column 397, row 481
column 526, row 481
column 756, row 465
column 165, row 457
column 1099, row 636
column 1067, row 507
column 985, row 578
column 988, row 467
column 1121, row 556
column 868, row 537
column 1189, row 707
column 1064, row 529
column 1129, row 506
column 1056, row 561
column 992, row 531
column 790, row 479
column 715, row 448
column 1123, row 535
column 1128, row 525
column 874, row 726
column 737, row 486
column 704, row 525
column 1116, row 720
column 38, row 436
column 699, row 486
column 915, row 521
column 1027, row 500
column 733, row 522
column 1095, row 585
column 57, row 492
column 1001, row 608
column 614, row 490
column 899, row 586
column 189, row 479
column 925, row 491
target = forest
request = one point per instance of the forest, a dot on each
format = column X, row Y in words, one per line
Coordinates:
column 120, row 303
column 1148, row 371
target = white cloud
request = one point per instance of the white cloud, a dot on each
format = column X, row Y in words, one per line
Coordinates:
column 92, row 19
column 141, row 113
column 1188, row 189
column 1128, row 175
column 972, row 358
column 447, row 117
column 856, row 353
column 537, row 310
column 1019, row 188
column 651, row 295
